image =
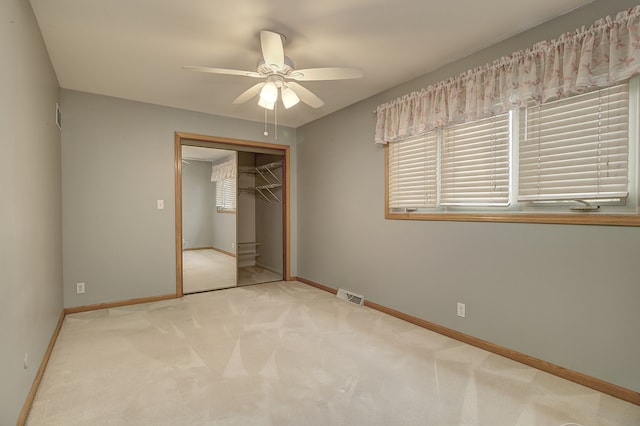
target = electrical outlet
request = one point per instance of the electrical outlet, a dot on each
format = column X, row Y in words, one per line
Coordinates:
column 26, row 364
column 80, row 288
column 233, row 245
column 461, row 310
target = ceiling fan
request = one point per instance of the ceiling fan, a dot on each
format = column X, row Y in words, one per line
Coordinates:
column 280, row 76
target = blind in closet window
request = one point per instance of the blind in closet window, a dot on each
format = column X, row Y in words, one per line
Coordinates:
column 226, row 194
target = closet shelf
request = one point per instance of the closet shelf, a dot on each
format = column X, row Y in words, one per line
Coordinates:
column 270, row 166
column 247, row 253
column 264, row 168
column 247, row 247
column 269, row 186
column 251, row 255
column 271, row 180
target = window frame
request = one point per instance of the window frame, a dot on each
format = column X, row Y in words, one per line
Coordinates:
column 521, row 212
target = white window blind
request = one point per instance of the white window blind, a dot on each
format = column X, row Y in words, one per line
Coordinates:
column 226, row 194
column 413, row 172
column 474, row 169
column 576, row 148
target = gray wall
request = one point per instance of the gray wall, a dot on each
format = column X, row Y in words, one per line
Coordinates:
column 118, row 159
column 197, row 194
column 567, row 294
column 30, row 215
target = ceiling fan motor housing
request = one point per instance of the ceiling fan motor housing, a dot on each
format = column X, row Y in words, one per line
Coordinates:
column 265, row 69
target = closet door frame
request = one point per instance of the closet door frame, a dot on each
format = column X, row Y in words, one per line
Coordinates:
column 190, row 139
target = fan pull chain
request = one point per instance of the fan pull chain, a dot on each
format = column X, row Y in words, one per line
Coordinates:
column 275, row 121
column 275, row 112
column 266, row 132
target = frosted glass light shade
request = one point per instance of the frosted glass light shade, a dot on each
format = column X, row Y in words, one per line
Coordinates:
column 267, row 105
column 269, row 93
column 289, row 97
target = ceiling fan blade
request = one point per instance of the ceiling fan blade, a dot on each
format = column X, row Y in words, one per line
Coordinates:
column 334, row 73
column 272, row 49
column 249, row 93
column 223, row 71
column 306, row 95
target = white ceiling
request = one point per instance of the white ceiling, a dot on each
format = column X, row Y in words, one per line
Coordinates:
column 134, row 49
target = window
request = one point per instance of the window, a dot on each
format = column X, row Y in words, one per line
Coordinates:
column 475, row 163
column 413, row 173
column 567, row 156
column 576, row 148
column 461, row 165
column 226, row 195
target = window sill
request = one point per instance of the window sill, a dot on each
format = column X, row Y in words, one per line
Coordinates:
column 549, row 218
column 226, row 211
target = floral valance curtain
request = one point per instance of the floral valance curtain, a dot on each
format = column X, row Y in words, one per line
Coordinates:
column 598, row 56
column 223, row 171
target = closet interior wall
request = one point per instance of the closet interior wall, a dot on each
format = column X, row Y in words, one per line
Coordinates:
column 260, row 224
column 246, row 211
column 269, row 219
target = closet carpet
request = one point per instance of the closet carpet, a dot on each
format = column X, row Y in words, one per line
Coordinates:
column 249, row 275
column 288, row 354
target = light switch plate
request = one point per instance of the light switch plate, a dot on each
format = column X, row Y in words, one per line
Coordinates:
column 160, row 204
column 461, row 310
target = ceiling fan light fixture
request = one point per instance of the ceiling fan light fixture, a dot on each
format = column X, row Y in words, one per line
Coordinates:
column 276, row 72
column 269, row 93
column 289, row 97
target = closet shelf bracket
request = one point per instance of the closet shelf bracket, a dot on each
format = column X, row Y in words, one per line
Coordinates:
column 272, row 181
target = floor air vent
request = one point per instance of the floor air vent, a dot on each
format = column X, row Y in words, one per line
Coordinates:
column 349, row 296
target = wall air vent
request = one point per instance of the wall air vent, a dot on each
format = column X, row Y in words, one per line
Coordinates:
column 349, row 296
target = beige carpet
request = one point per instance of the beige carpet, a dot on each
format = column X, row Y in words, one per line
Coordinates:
column 289, row 354
column 207, row 270
column 249, row 275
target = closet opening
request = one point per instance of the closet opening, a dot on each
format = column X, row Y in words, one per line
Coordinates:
column 232, row 228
